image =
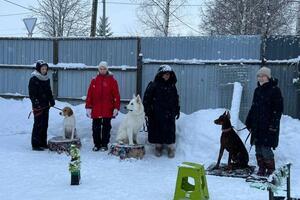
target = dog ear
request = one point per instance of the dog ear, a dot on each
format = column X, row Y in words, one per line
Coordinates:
column 228, row 114
column 133, row 96
column 70, row 112
column 138, row 99
column 225, row 113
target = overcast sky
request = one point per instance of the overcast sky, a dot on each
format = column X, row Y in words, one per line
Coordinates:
column 122, row 17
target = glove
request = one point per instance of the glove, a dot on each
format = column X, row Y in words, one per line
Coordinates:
column 177, row 116
column 115, row 112
column 88, row 112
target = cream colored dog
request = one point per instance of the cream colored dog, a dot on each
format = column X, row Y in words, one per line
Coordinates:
column 132, row 123
column 69, row 126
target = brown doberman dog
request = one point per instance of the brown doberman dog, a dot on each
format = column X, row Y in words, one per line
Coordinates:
column 232, row 143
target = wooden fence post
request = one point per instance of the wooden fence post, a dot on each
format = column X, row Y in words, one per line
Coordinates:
column 139, row 72
column 288, row 182
column 55, row 71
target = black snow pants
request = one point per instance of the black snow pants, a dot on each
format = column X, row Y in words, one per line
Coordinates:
column 101, row 131
column 39, row 131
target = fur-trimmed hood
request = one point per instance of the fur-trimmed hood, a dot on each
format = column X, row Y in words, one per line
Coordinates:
column 40, row 76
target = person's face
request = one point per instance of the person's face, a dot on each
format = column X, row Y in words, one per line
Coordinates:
column 103, row 70
column 166, row 76
column 44, row 70
column 262, row 79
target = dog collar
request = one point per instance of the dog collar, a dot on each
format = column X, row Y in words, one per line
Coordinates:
column 226, row 130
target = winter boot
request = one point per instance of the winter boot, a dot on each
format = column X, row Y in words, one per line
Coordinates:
column 171, row 152
column 261, row 166
column 270, row 165
column 104, row 148
column 158, row 150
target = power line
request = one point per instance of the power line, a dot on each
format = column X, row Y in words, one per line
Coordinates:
column 187, row 25
column 151, row 4
column 14, row 14
column 13, row 3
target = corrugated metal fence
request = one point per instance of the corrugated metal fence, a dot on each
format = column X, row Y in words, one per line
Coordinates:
column 204, row 66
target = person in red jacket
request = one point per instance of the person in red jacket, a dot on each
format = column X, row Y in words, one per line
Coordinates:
column 102, row 104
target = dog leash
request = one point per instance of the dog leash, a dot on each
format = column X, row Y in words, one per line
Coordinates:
column 246, row 137
column 237, row 130
column 57, row 108
column 39, row 111
column 145, row 125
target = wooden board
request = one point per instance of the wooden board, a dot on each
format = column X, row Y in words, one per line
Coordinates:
column 59, row 144
column 127, row 151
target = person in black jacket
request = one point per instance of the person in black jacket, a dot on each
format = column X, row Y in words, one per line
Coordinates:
column 263, row 120
column 161, row 103
column 41, row 98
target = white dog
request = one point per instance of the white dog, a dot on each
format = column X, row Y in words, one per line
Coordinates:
column 132, row 123
column 69, row 125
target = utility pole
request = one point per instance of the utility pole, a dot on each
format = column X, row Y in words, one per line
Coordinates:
column 298, row 20
column 94, row 18
column 103, row 18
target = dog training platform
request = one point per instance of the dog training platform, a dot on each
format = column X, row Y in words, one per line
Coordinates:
column 60, row 144
column 127, row 151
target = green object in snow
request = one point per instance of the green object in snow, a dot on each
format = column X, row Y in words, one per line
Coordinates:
column 74, row 164
column 191, row 182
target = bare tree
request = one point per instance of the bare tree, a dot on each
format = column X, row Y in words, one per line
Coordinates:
column 159, row 17
column 59, row 18
column 248, row 17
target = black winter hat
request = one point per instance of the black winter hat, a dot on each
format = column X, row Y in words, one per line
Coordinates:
column 39, row 65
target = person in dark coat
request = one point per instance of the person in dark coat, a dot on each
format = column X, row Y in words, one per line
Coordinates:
column 161, row 103
column 263, row 120
column 41, row 98
column 102, row 104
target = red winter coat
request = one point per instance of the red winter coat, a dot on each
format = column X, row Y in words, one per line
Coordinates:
column 103, row 96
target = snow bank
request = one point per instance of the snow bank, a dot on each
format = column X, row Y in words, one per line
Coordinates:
column 45, row 174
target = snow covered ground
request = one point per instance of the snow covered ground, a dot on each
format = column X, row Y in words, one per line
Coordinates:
column 25, row 174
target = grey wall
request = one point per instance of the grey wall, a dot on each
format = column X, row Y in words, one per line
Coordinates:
column 205, row 47
column 14, row 79
column 75, row 83
column 25, row 51
column 91, row 51
column 282, row 47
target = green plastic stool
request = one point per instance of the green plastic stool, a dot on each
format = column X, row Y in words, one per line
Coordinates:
column 187, row 191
